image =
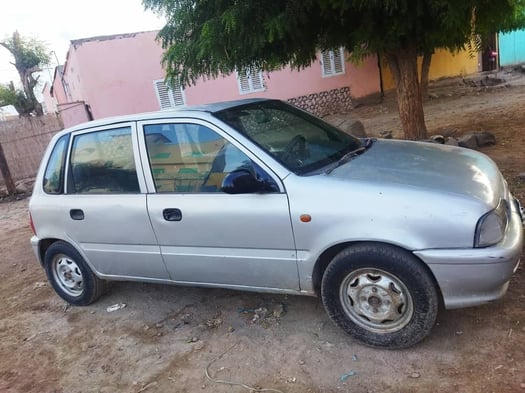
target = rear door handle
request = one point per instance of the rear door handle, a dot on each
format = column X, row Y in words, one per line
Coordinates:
column 172, row 214
column 76, row 214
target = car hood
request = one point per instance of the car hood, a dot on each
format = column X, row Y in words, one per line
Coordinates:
column 440, row 168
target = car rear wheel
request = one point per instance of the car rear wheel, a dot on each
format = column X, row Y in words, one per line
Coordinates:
column 70, row 275
column 380, row 294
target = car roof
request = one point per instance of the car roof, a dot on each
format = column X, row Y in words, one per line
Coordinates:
column 181, row 111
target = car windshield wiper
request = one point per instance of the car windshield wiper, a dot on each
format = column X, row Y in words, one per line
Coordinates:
column 352, row 154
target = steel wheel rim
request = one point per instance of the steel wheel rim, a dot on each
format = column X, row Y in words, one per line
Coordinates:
column 376, row 300
column 67, row 275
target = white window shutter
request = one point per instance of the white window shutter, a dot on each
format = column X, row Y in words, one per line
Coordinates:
column 162, row 94
column 339, row 63
column 177, row 93
column 244, row 83
column 333, row 62
column 251, row 81
column 257, row 80
column 167, row 97
column 326, row 62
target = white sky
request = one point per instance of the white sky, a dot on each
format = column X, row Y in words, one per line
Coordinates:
column 57, row 22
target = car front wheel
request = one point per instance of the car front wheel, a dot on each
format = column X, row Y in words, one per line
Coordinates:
column 70, row 275
column 381, row 295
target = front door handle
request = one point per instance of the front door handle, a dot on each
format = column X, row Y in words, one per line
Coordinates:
column 172, row 214
column 76, row 214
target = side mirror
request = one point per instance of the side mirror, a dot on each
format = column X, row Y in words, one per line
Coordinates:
column 240, row 181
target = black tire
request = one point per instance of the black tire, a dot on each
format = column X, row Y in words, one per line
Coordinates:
column 71, row 276
column 381, row 295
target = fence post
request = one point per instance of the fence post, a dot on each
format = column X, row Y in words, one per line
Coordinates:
column 6, row 173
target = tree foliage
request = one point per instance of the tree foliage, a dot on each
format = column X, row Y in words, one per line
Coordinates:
column 209, row 37
column 29, row 56
column 9, row 95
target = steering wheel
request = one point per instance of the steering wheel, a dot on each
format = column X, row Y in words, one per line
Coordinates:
column 296, row 150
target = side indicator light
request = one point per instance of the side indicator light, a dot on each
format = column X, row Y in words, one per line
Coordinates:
column 305, row 218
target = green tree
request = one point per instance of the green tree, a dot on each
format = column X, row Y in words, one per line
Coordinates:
column 209, row 37
column 9, row 95
column 29, row 55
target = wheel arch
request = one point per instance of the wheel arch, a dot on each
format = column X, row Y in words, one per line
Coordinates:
column 327, row 255
column 43, row 245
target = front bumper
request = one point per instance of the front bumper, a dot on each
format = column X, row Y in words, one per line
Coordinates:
column 469, row 277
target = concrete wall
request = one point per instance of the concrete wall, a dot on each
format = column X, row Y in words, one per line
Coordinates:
column 285, row 84
column 114, row 75
column 511, row 48
column 73, row 113
column 444, row 64
column 24, row 142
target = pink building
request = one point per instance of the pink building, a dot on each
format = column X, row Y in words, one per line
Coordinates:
column 122, row 74
column 49, row 104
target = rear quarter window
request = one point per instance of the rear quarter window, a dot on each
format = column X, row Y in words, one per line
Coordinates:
column 54, row 174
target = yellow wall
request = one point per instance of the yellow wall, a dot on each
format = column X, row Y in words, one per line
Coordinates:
column 444, row 64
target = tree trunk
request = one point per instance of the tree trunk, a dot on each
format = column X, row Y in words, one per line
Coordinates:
column 425, row 69
column 403, row 64
column 28, row 84
column 6, row 173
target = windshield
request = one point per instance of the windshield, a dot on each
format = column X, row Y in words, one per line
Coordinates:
column 299, row 141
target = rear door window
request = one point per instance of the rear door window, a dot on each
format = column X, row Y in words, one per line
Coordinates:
column 102, row 162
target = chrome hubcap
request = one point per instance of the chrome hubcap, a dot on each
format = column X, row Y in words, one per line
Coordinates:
column 376, row 300
column 68, row 275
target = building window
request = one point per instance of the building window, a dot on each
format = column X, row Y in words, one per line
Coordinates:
column 168, row 97
column 333, row 62
column 251, row 81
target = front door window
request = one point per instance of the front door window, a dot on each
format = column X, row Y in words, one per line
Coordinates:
column 192, row 158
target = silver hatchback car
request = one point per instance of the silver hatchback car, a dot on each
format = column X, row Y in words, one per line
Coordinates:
column 259, row 195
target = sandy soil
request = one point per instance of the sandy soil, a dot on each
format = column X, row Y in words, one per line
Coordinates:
column 167, row 337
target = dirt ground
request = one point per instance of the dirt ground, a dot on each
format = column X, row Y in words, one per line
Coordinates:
column 181, row 339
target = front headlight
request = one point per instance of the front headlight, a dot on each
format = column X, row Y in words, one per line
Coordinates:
column 492, row 226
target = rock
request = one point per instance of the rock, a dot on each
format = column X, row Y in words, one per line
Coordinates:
column 22, row 188
column 116, row 307
column 186, row 318
column 353, row 127
column 260, row 313
column 438, row 139
column 451, row 141
column 469, row 141
column 415, row 375
column 385, row 134
column 357, row 129
column 477, row 139
column 214, row 323
column 278, row 310
column 198, row 346
column 521, row 176
column 485, row 138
